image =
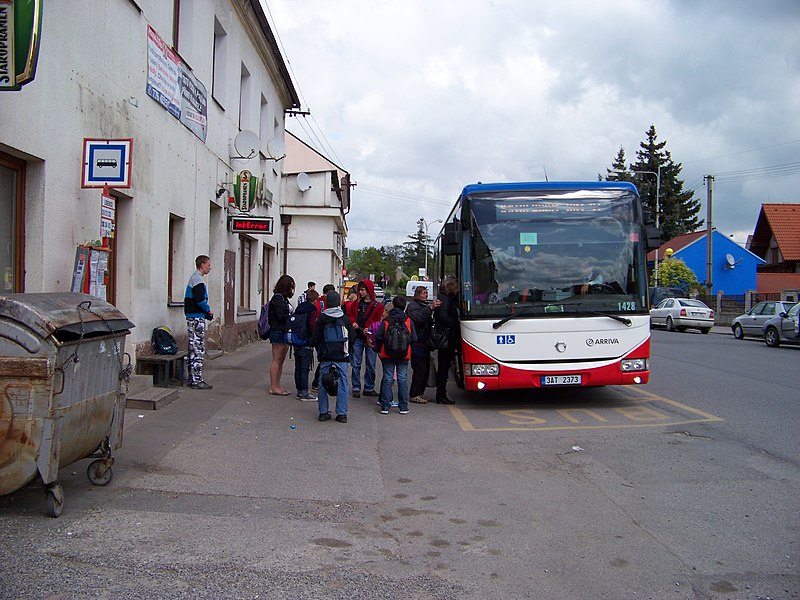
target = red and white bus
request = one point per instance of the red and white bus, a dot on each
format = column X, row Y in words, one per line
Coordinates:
column 552, row 284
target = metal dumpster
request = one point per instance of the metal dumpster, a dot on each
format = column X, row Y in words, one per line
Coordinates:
column 61, row 393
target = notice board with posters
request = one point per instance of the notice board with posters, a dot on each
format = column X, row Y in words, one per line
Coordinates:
column 90, row 273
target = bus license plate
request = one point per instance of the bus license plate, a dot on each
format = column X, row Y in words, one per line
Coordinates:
column 561, row 379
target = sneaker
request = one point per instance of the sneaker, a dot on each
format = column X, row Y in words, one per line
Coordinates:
column 306, row 397
column 395, row 403
column 404, row 412
column 357, row 394
column 384, row 411
column 325, row 416
column 202, row 386
column 341, row 418
column 370, row 393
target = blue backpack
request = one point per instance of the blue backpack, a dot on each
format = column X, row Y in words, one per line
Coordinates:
column 334, row 338
column 297, row 333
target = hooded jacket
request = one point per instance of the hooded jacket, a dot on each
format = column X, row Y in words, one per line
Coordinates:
column 330, row 315
column 373, row 310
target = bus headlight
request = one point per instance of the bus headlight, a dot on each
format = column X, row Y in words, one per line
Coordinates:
column 634, row 364
column 492, row 369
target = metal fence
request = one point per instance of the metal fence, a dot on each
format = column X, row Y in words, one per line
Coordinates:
column 729, row 306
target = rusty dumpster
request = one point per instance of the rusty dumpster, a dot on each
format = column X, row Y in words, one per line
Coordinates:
column 62, row 358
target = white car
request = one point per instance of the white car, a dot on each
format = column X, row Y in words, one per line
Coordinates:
column 682, row 314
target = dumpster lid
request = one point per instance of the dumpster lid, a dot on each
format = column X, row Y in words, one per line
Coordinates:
column 51, row 312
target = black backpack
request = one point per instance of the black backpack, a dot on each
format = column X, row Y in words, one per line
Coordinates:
column 397, row 338
column 163, row 342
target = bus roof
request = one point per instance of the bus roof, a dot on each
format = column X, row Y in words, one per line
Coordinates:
column 476, row 188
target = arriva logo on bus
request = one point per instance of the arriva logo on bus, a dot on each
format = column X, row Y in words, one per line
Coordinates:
column 601, row 341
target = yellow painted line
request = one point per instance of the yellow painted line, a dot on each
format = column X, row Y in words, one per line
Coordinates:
column 643, row 396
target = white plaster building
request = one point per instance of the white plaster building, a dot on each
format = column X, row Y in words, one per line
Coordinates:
column 316, row 200
column 100, row 66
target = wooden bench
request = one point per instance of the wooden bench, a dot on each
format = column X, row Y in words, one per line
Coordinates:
column 165, row 367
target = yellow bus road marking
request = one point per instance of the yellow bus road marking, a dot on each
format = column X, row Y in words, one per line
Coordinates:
column 640, row 411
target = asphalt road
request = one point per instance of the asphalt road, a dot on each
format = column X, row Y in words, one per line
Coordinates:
column 685, row 488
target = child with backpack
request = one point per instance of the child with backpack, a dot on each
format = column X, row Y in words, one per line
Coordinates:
column 298, row 334
column 393, row 341
column 330, row 336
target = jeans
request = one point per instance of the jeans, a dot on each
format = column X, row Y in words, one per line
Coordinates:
column 389, row 367
column 341, row 393
column 303, row 355
column 360, row 348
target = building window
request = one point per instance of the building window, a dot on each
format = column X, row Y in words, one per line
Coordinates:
column 245, row 268
column 176, row 269
column 244, row 98
column 263, row 125
column 12, row 218
column 219, row 59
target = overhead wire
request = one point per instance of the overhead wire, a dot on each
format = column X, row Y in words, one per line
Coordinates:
column 322, row 146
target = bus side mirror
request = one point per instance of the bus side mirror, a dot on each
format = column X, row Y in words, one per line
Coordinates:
column 451, row 240
column 653, row 237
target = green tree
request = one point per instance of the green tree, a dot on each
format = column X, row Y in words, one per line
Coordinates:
column 361, row 263
column 414, row 250
column 673, row 272
column 678, row 210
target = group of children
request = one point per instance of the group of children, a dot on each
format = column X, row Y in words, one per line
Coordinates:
column 340, row 336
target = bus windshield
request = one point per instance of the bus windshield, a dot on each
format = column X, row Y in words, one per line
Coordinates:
column 554, row 252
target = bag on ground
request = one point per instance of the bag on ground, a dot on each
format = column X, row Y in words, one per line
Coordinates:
column 163, row 341
column 263, row 323
column 297, row 333
column 397, row 338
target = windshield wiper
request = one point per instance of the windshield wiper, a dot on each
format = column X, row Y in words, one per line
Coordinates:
column 624, row 320
column 513, row 315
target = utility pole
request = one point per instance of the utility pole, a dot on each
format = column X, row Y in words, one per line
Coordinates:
column 709, row 234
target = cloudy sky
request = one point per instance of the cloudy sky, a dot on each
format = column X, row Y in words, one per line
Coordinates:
column 418, row 98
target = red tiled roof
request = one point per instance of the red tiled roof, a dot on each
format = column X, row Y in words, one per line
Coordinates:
column 676, row 243
column 784, row 220
column 774, row 283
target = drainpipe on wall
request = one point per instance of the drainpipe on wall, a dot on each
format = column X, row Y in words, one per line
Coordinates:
column 286, row 220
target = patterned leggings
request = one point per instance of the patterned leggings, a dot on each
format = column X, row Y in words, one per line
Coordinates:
column 197, row 349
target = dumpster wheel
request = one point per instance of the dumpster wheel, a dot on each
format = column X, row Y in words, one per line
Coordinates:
column 99, row 472
column 55, row 500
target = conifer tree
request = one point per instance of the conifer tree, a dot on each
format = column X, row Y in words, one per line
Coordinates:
column 678, row 210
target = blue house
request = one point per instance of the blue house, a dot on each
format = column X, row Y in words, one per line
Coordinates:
column 733, row 267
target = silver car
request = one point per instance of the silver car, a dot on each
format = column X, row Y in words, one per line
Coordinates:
column 682, row 314
column 782, row 328
column 752, row 322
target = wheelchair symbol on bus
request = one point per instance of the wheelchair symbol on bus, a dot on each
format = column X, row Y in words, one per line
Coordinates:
column 506, row 339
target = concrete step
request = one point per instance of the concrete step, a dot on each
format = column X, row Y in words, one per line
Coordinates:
column 151, row 398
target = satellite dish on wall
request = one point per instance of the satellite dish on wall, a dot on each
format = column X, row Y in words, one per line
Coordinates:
column 730, row 259
column 246, row 144
column 303, row 182
column 276, row 149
